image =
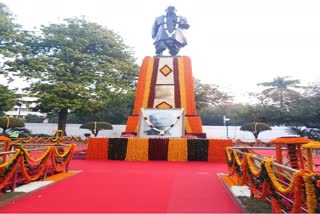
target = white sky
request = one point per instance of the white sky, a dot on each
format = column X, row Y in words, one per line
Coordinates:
column 232, row 43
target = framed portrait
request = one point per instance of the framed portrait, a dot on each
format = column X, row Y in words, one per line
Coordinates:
column 155, row 122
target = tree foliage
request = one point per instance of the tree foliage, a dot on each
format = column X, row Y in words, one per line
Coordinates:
column 279, row 90
column 7, row 98
column 10, row 33
column 313, row 133
column 10, row 122
column 32, row 118
column 12, row 40
column 75, row 66
column 209, row 95
column 305, row 111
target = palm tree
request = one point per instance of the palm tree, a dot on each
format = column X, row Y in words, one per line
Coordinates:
column 279, row 90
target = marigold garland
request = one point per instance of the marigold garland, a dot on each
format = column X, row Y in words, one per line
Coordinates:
column 137, row 149
column 189, row 86
column 66, row 152
column 300, row 180
column 310, row 191
column 29, row 158
column 275, row 205
column 138, row 103
column 7, row 163
column 254, row 191
column 65, row 162
column 147, row 84
column 183, row 89
column 297, row 195
column 216, row 149
column 237, row 159
column 16, row 160
column 178, row 149
column 44, row 163
column 97, row 149
column 290, row 140
column 251, row 165
column 312, row 145
column 275, row 182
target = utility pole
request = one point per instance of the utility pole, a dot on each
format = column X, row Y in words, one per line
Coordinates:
column 225, row 123
column 19, row 104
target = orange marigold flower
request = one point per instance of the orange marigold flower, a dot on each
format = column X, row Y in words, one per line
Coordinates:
column 318, row 183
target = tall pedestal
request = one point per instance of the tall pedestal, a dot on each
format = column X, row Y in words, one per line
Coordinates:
column 166, row 82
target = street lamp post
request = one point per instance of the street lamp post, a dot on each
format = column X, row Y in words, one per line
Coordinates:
column 225, row 123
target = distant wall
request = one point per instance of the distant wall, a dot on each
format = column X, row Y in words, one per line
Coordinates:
column 211, row 131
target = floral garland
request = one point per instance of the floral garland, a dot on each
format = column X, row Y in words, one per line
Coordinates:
column 11, row 165
column 231, row 168
column 290, row 140
column 65, row 158
column 137, row 149
column 251, row 165
column 178, row 149
column 27, row 155
column 303, row 182
column 161, row 132
column 310, row 191
column 42, row 166
column 275, row 182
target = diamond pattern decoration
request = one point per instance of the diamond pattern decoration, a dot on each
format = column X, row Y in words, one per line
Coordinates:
column 163, row 105
column 165, row 70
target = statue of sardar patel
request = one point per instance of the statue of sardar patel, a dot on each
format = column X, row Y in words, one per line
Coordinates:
column 168, row 32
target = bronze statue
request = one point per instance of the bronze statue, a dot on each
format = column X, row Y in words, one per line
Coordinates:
column 167, row 32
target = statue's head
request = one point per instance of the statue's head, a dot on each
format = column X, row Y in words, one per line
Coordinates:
column 171, row 9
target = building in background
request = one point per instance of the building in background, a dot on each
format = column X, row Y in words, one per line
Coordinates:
column 24, row 107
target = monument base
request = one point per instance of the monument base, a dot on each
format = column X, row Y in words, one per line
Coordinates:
column 164, row 83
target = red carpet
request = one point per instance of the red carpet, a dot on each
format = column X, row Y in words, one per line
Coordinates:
column 123, row 186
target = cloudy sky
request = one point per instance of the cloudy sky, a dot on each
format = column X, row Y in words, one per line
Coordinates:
column 234, row 44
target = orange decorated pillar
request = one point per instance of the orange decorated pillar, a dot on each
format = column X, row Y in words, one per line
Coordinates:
column 293, row 145
column 166, row 82
column 308, row 148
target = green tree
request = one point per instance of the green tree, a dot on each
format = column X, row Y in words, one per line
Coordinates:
column 7, row 98
column 75, row 66
column 208, row 94
column 264, row 113
column 12, row 38
column 279, row 90
column 305, row 111
column 32, row 118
